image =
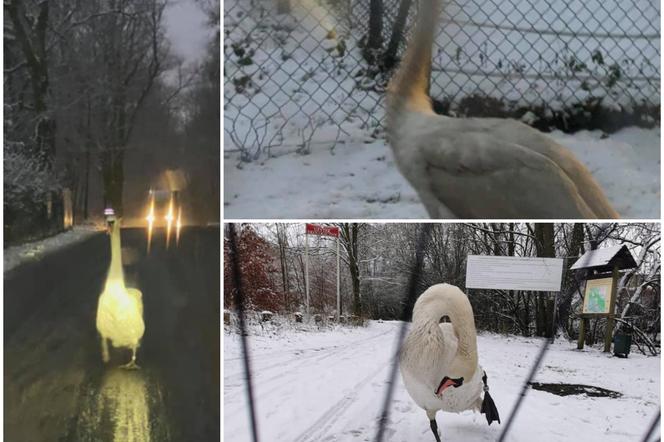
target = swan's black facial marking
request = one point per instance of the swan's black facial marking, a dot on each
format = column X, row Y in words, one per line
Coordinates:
column 447, row 383
column 444, row 318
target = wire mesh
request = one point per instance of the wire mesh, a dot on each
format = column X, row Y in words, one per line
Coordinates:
column 652, row 430
column 302, row 78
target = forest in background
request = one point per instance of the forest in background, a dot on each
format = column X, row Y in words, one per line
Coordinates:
column 377, row 261
column 92, row 88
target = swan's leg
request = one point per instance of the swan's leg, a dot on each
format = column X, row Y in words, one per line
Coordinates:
column 488, row 407
column 432, row 423
column 434, row 428
column 131, row 365
column 104, row 350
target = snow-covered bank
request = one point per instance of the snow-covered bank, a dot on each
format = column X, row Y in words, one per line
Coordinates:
column 329, row 386
column 360, row 180
column 32, row 251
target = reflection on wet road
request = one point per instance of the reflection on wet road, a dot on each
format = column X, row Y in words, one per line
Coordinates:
column 56, row 386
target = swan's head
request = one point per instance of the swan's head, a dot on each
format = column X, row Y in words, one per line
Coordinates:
column 446, row 383
column 113, row 225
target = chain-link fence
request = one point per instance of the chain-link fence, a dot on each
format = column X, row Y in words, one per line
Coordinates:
column 302, row 77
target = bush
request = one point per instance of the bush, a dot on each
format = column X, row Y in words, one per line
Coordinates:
column 32, row 201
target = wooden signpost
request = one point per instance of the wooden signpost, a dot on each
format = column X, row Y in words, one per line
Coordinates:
column 603, row 268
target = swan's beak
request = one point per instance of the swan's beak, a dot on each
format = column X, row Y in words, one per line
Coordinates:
column 446, row 383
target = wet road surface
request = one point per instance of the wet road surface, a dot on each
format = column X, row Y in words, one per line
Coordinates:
column 56, row 387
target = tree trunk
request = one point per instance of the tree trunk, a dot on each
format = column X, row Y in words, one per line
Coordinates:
column 282, row 242
column 349, row 234
column 31, row 36
column 113, row 177
column 375, row 33
column 355, row 272
column 390, row 56
column 570, row 283
column 544, row 243
column 86, row 185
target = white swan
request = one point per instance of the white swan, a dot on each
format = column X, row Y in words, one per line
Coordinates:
column 479, row 167
column 437, row 355
column 120, row 309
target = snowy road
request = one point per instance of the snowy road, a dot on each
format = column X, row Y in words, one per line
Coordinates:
column 329, row 386
column 55, row 385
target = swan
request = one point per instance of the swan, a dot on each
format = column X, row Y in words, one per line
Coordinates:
column 120, row 309
column 437, row 355
column 479, row 167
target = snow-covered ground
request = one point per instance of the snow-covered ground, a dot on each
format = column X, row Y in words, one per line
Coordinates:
column 329, row 386
column 359, row 179
column 32, row 251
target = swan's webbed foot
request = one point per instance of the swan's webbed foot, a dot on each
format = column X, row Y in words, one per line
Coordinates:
column 131, row 365
column 434, row 428
column 488, row 406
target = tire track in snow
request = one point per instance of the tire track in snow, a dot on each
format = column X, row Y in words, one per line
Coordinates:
column 277, row 352
column 299, row 359
column 319, row 429
column 265, row 378
column 275, row 383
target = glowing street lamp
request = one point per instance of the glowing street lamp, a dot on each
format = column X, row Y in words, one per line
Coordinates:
column 178, row 225
column 169, row 221
column 150, row 219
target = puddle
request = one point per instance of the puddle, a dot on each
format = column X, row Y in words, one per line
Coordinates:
column 569, row 389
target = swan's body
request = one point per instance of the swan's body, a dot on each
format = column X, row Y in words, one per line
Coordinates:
column 120, row 309
column 434, row 352
column 480, row 167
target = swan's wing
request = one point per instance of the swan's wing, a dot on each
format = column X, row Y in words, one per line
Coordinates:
column 137, row 297
column 478, row 176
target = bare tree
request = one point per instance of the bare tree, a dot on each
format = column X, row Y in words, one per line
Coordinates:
column 29, row 28
column 349, row 235
column 126, row 42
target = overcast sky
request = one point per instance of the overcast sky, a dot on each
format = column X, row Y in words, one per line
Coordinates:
column 187, row 29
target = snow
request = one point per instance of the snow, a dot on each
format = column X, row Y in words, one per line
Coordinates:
column 359, row 179
column 34, row 251
column 329, row 385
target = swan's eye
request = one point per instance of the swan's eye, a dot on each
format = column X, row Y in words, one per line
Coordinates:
column 444, row 318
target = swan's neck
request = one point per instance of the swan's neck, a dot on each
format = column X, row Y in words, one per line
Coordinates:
column 409, row 87
column 115, row 274
column 465, row 361
column 465, row 333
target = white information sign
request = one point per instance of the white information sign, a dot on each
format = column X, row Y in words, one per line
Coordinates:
column 511, row 273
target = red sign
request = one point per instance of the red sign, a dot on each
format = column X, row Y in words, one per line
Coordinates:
column 315, row 229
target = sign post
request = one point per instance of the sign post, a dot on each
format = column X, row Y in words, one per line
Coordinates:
column 602, row 269
column 338, row 294
column 306, row 273
column 320, row 230
column 516, row 273
column 612, row 308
